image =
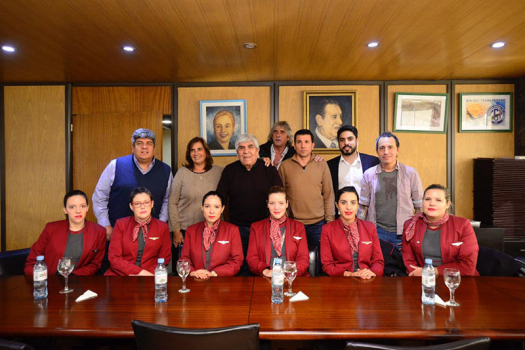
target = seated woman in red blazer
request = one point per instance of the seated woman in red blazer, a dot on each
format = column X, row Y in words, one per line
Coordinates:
column 213, row 246
column 138, row 241
column 350, row 246
column 277, row 237
column 448, row 240
column 74, row 237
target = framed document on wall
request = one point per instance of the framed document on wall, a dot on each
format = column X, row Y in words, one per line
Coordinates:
column 416, row 112
column 485, row 112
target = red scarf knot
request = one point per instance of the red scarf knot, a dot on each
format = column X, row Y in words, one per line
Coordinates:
column 141, row 225
column 352, row 234
column 411, row 229
column 275, row 234
column 210, row 233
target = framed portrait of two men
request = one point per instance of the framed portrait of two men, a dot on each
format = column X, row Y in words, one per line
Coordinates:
column 325, row 112
column 222, row 122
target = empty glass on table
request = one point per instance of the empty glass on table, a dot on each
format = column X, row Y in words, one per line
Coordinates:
column 65, row 267
column 183, row 269
column 452, row 280
column 290, row 272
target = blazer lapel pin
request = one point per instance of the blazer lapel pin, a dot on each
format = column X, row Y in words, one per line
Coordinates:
column 223, row 242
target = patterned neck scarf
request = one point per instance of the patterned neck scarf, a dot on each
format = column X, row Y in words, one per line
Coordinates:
column 352, row 234
column 210, row 233
column 141, row 225
column 411, row 230
column 275, row 233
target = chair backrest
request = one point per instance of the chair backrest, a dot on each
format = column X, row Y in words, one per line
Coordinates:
column 494, row 263
column 490, row 237
column 13, row 262
column 465, row 344
column 12, row 345
column 152, row 337
column 394, row 265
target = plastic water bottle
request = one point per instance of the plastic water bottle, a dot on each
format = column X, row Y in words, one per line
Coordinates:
column 40, row 278
column 428, row 283
column 277, row 284
column 161, row 282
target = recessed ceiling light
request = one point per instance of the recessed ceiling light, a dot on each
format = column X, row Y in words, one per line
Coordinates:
column 249, row 45
column 373, row 44
column 128, row 48
column 7, row 48
column 498, row 44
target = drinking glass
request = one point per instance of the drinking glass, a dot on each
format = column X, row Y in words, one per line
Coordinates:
column 183, row 269
column 290, row 272
column 452, row 280
column 65, row 267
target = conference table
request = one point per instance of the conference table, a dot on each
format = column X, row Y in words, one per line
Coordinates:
column 338, row 308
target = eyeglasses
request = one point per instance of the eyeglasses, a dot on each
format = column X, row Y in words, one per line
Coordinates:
column 139, row 204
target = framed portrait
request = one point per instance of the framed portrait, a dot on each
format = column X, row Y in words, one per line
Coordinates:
column 222, row 122
column 325, row 112
column 418, row 112
column 485, row 112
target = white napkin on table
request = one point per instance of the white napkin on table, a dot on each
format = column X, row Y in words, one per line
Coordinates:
column 87, row 295
column 440, row 301
column 299, row 297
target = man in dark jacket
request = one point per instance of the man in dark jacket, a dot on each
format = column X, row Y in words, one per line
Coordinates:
column 279, row 145
column 348, row 169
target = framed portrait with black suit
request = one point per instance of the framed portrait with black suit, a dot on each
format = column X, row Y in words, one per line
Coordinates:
column 325, row 112
column 222, row 122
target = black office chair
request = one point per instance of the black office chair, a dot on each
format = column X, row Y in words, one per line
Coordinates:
column 495, row 263
column 13, row 262
column 13, row 345
column 466, row 344
column 153, row 336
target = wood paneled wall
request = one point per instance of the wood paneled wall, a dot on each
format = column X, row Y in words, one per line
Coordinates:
column 35, row 161
column 476, row 145
column 258, row 106
column 104, row 119
column 291, row 109
column 427, row 153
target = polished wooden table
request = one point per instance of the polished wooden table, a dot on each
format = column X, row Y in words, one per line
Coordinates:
column 339, row 308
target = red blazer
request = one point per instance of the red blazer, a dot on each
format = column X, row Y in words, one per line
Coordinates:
column 260, row 249
column 123, row 251
column 52, row 245
column 459, row 246
column 335, row 249
column 226, row 257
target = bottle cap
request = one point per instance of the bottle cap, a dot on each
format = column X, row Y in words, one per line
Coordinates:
column 428, row 261
column 40, row 258
column 161, row 261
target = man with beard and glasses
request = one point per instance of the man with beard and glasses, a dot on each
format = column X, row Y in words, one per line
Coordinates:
column 348, row 169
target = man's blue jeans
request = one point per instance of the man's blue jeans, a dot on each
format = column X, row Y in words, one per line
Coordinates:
column 391, row 237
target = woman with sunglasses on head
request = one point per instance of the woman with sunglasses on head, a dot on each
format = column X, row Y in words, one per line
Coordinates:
column 277, row 237
column 350, row 246
column 448, row 240
column 140, row 240
column 213, row 246
column 74, row 237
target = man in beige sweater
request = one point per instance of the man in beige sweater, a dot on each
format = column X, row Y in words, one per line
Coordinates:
column 309, row 188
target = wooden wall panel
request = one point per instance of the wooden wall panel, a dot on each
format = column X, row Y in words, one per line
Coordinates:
column 104, row 118
column 291, row 109
column 111, row 99
column 257, row 112
column 35, row 165
column 427, row 153
column 469, row 146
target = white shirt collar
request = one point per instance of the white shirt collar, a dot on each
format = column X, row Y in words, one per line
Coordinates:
column 356, row 161
column 323, row 139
